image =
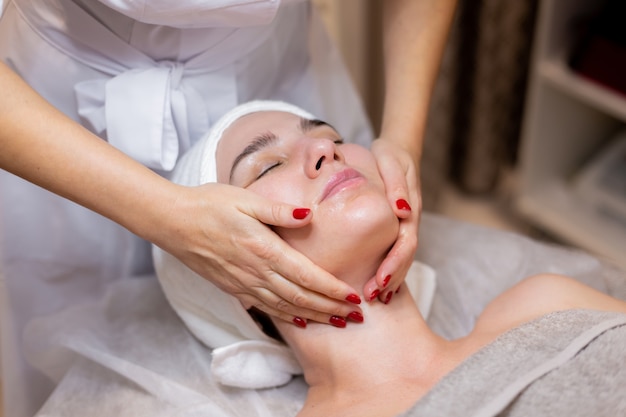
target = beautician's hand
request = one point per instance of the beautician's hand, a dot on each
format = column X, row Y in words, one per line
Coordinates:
column 414, row 37
column 399, row 174
column 223, row 239
column 212, row 229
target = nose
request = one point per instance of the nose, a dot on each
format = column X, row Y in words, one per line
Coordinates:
column 319, row 153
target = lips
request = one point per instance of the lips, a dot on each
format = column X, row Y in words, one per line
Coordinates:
column 340, row 181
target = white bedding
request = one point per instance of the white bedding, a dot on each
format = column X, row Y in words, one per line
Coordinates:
column 130, row 355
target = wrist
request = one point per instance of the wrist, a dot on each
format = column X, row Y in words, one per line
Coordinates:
column 155, row 215
column 409, row 140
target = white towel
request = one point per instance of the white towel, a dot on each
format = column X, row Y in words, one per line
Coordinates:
column 243, row 355
column 197, row 166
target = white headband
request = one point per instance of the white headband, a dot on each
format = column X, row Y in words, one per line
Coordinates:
column 243, row 355
column 198, row 165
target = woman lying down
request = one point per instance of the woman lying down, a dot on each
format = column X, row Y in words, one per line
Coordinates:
column 547, row 346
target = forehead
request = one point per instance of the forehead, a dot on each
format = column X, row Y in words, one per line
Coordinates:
column 247, row 127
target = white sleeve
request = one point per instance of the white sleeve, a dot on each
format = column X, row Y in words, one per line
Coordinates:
column 197, row 13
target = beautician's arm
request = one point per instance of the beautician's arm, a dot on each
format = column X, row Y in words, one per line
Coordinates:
column 213, row 229
column 415, row 33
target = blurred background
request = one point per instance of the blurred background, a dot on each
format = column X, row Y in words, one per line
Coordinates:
column 527, row 124
column 526, row 128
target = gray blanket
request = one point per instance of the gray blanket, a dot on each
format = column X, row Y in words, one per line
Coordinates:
column 570, row 363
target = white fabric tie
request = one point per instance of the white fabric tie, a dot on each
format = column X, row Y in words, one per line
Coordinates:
column 145, row 113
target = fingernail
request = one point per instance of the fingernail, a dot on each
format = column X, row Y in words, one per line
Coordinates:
column 354, row 299
column 402, row 204
column 398, row 290
column 386, row 280
column 338, row 321
column 301, row 213
column 388, row 298
column 356, row 316
column 300, row 322
column 374, row 294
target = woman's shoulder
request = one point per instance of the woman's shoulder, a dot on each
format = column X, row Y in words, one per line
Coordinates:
column 538, row 295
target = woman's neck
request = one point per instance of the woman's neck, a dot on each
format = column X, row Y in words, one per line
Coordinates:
column 358, row 362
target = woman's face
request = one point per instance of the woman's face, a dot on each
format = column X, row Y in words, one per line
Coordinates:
column 305, row 163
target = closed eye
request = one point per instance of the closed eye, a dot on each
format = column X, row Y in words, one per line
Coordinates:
column 268, row 169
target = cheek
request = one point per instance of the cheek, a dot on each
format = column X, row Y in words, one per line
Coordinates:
column 361, row 227
column 280, row 189
column 372, row 217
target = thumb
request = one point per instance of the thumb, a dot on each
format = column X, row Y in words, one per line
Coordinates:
column 281, row 214
column 397, row 191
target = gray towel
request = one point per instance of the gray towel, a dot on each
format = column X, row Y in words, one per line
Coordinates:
column 568, row 363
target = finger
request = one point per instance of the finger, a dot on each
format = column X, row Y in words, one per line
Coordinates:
column 371, row 290
column 278, row 214
column 395, row 180
column 276, row 314
column 400, row 257
column 284, row 261
column 394, row 267
column 287, row 312
column 297, row 300
column 402, row 193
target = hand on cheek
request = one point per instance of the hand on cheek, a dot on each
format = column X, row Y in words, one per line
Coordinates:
column 401, row 185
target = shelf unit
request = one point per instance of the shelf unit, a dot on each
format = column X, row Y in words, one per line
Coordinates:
column 568, row 119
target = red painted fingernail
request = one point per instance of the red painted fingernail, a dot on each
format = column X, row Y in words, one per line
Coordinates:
column 338, row 321
column 354, row 299
column 300, row 322
column 356, row 316
column 402, row 204
column 398, row 290
column 374, row 294
column 301, row 213
column 389, row 295
column 386, row 281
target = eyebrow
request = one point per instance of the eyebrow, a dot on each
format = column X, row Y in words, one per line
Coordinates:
column 266, row 139
column 310, row 124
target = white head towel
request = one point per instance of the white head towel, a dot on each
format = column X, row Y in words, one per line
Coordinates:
column 243, row 355
column 198, row 165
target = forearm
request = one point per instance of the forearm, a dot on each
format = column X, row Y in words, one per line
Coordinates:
column 43, row 146
column 415, row 33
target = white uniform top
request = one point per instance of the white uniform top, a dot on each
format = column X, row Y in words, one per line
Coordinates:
column 149, row 78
